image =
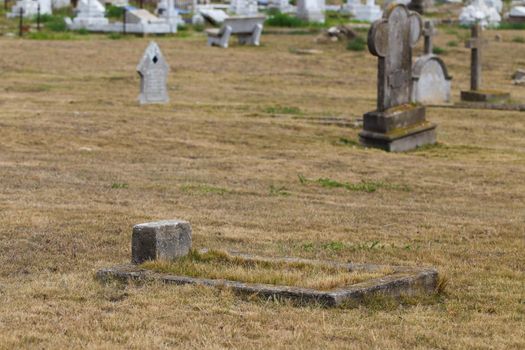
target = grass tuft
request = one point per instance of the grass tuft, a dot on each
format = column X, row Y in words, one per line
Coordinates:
column 356, row 44
column 364, row 186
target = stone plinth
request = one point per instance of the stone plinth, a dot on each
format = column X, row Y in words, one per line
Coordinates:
column 164, row 240
column 397, row 129
column 484, row 96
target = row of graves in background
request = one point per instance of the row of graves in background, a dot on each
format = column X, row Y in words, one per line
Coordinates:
column 403, row 87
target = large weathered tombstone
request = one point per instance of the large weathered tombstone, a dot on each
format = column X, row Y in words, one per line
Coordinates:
column 431, row 81
column 153, row 71
column 396, row 125
column 475, row 94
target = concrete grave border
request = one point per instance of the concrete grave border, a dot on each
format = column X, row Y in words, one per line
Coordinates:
column 403, row 281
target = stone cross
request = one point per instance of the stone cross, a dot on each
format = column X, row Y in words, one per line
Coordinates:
column 391, row 39
column 153, row 71
column 475, row 43
column 428, row 32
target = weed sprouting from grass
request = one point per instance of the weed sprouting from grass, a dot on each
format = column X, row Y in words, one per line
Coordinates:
column 452, row 43
column 348, row 142
column 119, row 185
column 221, row 265
column 518, row 39
column 282, row 110
column 356, row 44
column 115, row 36
column 364, row 186
column 334, row 246
column 438, row 50
column 279, row 191
column 203, row 189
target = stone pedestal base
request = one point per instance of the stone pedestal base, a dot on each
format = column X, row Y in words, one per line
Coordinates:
column 484, row 96
column 397, row 130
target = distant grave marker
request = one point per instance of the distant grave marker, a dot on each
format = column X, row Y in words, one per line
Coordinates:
column 153, row 71
column 475, row 94
column 396, row 125
column 431, row 81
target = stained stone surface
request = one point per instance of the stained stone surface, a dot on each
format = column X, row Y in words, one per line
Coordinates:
column 153, row 71
column 391, row 39
column 165, row 240
column 310, row 11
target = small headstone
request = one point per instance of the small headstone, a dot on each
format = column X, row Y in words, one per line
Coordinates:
column 161, row 240
column 153, row 71
column 479, row 13
column 519, row 77
column 396, row 125
column 475, row 94
column 30, row 8
column 431, row 81
column 243, row 7
column 90, row 13
column 369, row 12
column 310, row 11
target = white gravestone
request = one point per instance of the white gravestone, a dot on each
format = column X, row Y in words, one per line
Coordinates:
column 30, row 8
column 244, row 7
column 479, row 12
column 368, row 12
column 153, row 71
column 90, row 13
column 310, row 11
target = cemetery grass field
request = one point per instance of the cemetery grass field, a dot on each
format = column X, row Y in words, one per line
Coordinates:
column 258, row 150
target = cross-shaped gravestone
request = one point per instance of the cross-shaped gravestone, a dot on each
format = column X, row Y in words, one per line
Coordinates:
column 428, row 33
column 391, row 39
column 153, row 71
column 475, row 44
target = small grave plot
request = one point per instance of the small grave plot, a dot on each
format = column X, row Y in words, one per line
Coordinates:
column 215, row 264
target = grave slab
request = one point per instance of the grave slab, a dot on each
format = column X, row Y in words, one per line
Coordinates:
column 402, row 281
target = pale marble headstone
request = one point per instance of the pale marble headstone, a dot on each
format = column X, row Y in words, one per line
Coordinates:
column 90, row 13
column 244, row 7
column 369, row 12
column 153, row 71
column 31, row 8
column 310, row 11
column 166, row 10
column 431, row 81
column 479, row 12
column 282, row 5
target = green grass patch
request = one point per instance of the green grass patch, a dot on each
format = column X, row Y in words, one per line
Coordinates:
column 114, row 11
column 282, row 110
column 518, row 39
column 285, row 20
column 452, row 43
column 511, row 26
column 356, row 44
column 119, row 185
column 115, row 36
column 363, row 186
column 348, row 142
column 436, row 50
column 216, row 264
column 52, row 36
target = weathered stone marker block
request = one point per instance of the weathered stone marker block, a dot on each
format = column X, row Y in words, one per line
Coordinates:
column 164, row 240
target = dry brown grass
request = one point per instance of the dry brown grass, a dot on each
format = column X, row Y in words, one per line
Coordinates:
column 81, row 162
column 217, row 264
